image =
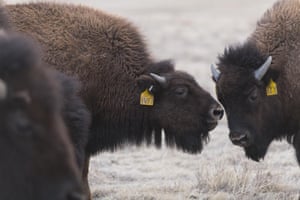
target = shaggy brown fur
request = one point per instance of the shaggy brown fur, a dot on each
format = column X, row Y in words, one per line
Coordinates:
column 262, row 117
column 37, row 159
column 110, row 58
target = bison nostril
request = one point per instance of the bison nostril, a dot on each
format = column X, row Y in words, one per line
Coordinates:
column 216, row 112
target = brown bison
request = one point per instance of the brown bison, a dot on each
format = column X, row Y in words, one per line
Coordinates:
column 75, row 114
column 37, row 158
column 258, row 82
column 132, row 98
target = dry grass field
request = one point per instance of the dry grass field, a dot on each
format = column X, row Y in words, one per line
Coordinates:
column 192, row 33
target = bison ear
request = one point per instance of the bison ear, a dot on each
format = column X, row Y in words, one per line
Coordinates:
column 145, row 82
column 271, row 74
column 153, row 82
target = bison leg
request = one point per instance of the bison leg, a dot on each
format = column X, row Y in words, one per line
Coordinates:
column 296, row 143
column 85, row 173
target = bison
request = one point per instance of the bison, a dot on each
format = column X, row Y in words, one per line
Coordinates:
column 258, row 82
column 37, row 158
column 131, row 96
column 75, row 115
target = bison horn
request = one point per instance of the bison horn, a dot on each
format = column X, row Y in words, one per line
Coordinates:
column 261, row 71
column 215, row 72
column 161, row 79
column 3, row 90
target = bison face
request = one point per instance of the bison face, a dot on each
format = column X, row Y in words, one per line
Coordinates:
column 28, row 143
column 182, row 108
column 36, row 154
column 254, row 116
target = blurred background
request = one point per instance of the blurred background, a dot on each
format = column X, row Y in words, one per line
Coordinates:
column 192, row 33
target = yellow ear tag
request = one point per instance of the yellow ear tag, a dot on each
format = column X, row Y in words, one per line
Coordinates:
column 271, row 88
column 147, row 99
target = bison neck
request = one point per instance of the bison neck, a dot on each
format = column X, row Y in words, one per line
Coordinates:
column 111, row 130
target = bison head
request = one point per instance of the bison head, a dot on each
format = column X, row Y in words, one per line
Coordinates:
column 35, row 150
column 181, row 107
column 246, row 86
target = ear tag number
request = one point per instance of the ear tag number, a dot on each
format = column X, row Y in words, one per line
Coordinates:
column 147, row 99
column 271, row 88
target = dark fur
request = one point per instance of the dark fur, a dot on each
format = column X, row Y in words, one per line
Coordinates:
column 264, row 118
column 37, row 159
column 76, row 116
column 111, row 60
column 245, row 56
column 109, row 56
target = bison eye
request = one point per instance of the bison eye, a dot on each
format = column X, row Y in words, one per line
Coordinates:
column 253, row 96
column 181, row 91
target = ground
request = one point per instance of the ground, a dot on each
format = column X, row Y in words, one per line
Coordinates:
column 192, row 33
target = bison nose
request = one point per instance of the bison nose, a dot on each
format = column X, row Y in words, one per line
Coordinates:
column 216, row 112
column 240, row 139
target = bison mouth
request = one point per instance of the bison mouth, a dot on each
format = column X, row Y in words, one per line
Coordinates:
column 257, row 147
column 211, row 125
column 190, row 140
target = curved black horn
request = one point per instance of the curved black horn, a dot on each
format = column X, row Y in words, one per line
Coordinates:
column 262, row 70
column 3, row 90
column 215, row 72
column 161, row 79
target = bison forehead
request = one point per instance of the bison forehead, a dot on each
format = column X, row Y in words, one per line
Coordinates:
column 235, row 82
column 179, row 75
column 182, row 78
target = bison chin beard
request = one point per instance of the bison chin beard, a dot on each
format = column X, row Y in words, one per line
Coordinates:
column 189, row 141
column 257, row 152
